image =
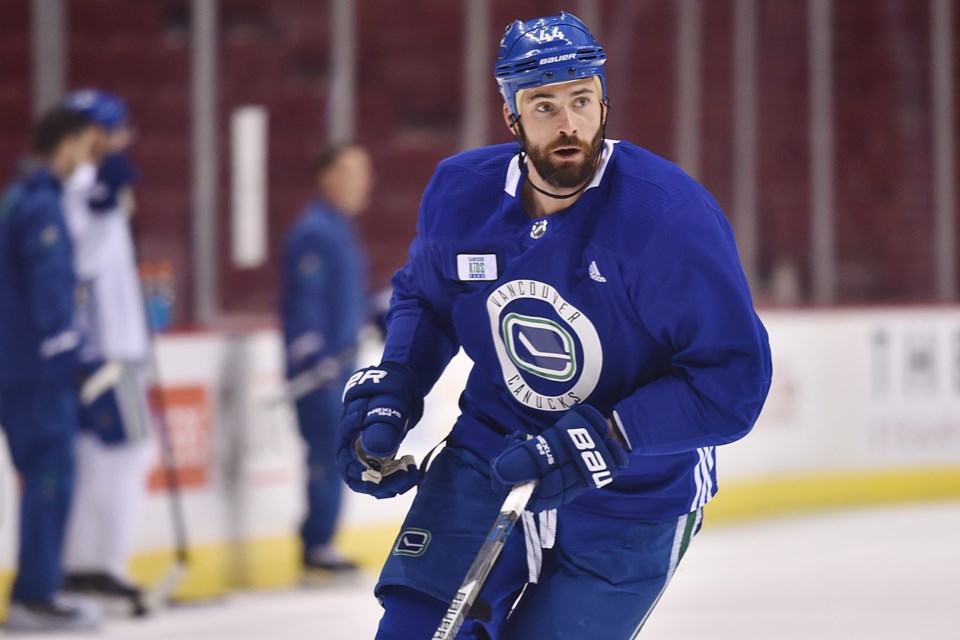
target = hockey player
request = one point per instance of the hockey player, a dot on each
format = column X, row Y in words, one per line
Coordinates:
column 598, row 291
column 114, row 449
column 323, row 307
column 38, row 395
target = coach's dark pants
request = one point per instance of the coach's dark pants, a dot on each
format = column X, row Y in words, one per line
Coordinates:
column 40, row 421
column 317, row 415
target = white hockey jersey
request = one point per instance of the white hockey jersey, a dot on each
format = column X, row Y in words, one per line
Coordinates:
column 114, row 316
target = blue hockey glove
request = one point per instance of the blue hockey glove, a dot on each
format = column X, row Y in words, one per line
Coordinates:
column 380, row 404
column 114, row 174
column 101, row 402
column 569, row 458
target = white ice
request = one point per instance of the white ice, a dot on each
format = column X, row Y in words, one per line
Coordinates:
column 873, row 574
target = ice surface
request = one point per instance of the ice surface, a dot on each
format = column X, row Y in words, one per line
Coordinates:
column 877, row 574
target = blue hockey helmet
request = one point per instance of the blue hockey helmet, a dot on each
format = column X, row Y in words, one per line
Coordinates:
column 545, row 51
column 102, row 108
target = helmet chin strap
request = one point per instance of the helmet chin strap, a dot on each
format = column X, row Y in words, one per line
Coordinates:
column 519, row 135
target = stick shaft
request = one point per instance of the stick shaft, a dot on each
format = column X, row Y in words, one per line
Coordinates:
column 317, row 377
column 467, row 594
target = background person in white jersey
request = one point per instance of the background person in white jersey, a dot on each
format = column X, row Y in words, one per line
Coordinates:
column 114, row 449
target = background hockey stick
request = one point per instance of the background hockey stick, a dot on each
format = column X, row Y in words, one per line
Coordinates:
column 159, row 594
column 316, row 377
column 467, row 594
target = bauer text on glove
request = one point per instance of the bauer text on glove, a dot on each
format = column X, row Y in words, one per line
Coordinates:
column 572, row 456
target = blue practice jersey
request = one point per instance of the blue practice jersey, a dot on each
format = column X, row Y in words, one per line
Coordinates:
column 631, row 300
column 37, row 283
column 323, row 300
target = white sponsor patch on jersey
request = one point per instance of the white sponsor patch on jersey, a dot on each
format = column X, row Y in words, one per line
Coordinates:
column 476, row 267
column 560, row 350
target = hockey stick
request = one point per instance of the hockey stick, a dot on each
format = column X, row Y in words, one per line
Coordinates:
column 105, row 378
column 467, row 594
column 160, row 592
column 378, row 468
column 313, row 379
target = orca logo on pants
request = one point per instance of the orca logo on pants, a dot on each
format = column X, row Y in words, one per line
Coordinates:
column 412, row 542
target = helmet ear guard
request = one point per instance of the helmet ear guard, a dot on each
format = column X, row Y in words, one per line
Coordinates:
column 544, row 51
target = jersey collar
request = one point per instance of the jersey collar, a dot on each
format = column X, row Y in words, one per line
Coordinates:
column 513, row 171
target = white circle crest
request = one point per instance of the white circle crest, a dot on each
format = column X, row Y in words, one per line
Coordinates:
column 564, row 365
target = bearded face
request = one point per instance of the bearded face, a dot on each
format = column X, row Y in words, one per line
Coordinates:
column 567, row 162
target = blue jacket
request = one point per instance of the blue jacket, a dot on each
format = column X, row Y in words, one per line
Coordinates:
column 38, row 339
column 631, row 300
column 323, row 301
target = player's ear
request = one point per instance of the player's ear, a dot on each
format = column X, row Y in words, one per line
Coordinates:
column 509, row 119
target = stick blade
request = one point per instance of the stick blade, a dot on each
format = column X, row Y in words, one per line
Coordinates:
column 159, row 595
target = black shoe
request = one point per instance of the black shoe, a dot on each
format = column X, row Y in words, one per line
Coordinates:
column 328, row 559
column 79, row 582
column 120, row 598
column 324, row 565
column 333, row 566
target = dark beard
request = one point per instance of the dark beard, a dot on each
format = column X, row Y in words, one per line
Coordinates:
column 565, row 175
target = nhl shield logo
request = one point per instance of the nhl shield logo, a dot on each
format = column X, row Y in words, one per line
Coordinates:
column 538, row 229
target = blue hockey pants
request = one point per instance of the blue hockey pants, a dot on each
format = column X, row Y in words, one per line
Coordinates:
column 600, row 580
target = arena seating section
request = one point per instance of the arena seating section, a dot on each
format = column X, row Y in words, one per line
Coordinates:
column 276, row 54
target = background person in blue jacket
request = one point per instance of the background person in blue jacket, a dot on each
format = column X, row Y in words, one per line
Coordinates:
column 323, row 306
column 38, row 346
column 598, row 291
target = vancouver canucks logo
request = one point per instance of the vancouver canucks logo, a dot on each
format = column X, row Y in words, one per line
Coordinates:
column 549, row 351
column 412, row 542
column 542, row 347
